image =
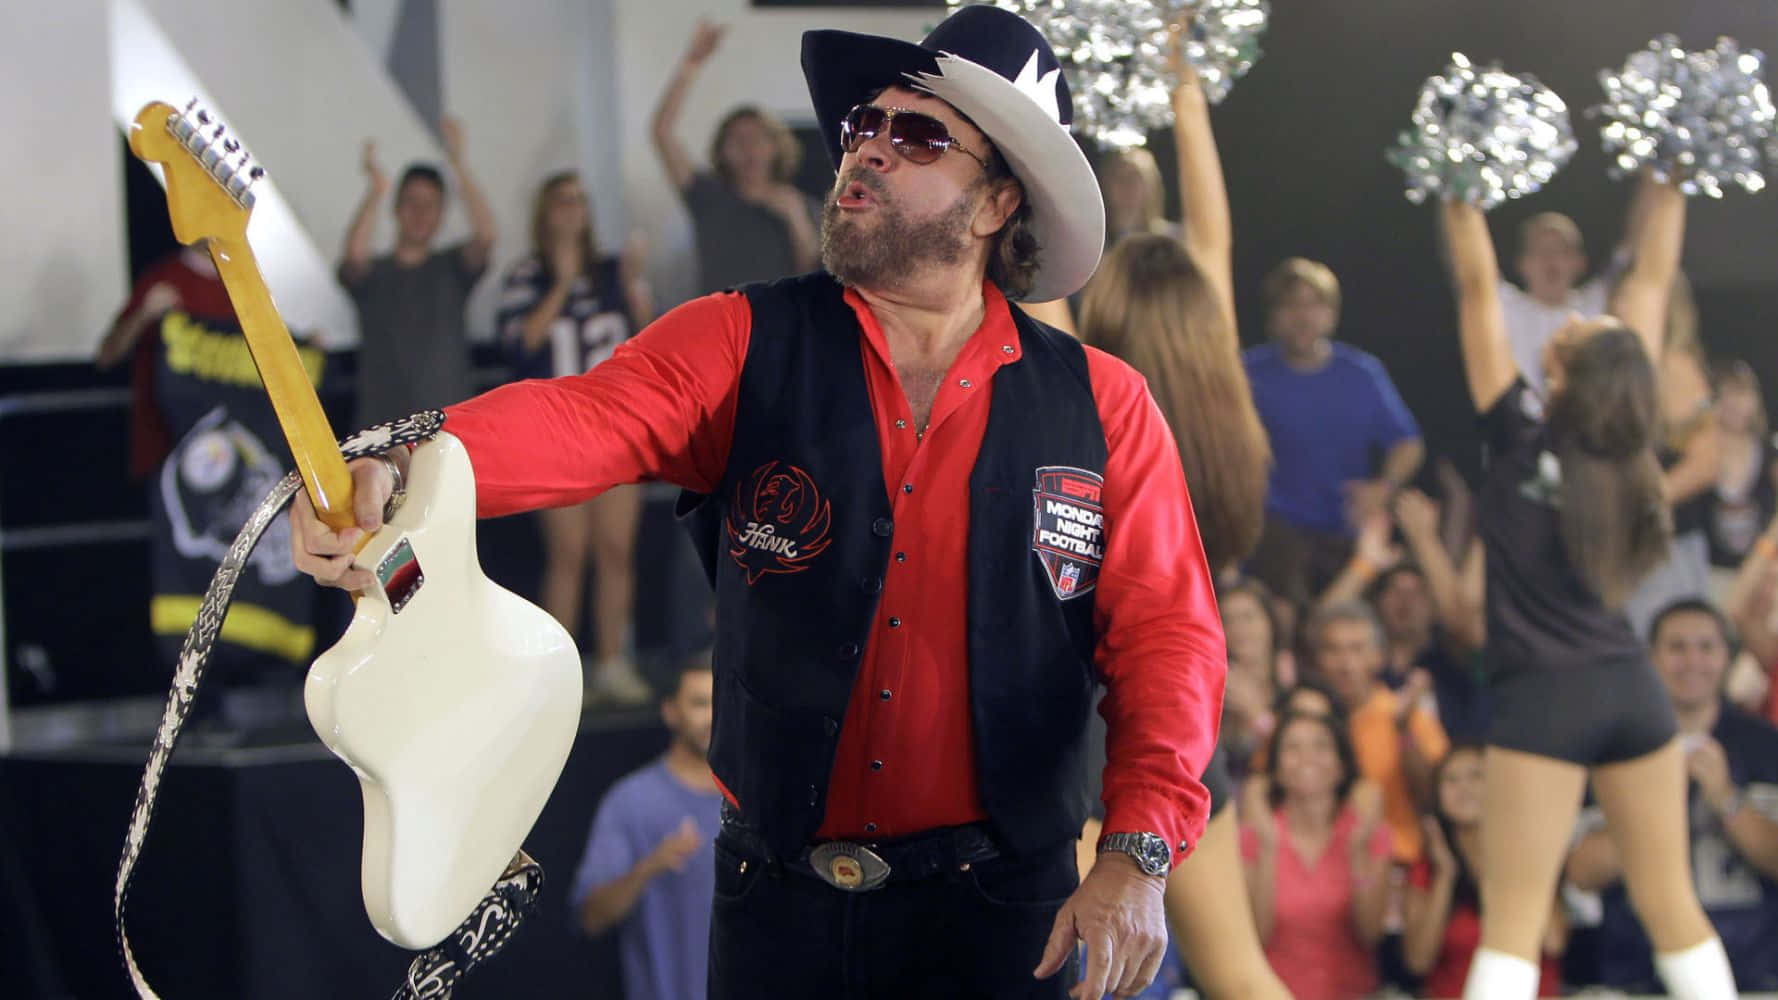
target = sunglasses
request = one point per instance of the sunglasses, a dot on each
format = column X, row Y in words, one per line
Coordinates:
column 920, row 138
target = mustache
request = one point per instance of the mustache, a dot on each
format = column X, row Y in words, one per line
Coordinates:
column 868, row 178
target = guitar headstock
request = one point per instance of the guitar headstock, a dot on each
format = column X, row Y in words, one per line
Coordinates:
column 209, row 181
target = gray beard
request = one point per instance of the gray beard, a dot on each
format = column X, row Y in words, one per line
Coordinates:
column 891, row 254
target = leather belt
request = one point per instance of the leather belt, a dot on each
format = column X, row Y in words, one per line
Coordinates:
column 862, row 867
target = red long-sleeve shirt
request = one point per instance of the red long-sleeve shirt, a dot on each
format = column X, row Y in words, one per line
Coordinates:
column 663, row 408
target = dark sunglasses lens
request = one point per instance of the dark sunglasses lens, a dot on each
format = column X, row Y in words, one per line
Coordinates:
column 920, row 138
column 861, row 123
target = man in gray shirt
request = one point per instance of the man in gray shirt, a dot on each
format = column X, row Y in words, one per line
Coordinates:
column 413, row 351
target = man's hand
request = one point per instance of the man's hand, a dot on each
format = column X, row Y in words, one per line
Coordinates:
column 160, row 299
column 1416, row 688
column 786, row 201
column 373, row 172
column 671, row 854
column 450, row 129
column 1373, row 544
column 326, row 554
column 1117, row 913
column 704, row 39
column 1706, row 764
column 1416, row 515
column 1366, row 498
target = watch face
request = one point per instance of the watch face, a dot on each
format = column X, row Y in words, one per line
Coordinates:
column 1155, row 856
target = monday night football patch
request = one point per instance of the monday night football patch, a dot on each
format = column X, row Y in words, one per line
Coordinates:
column 1068, row 531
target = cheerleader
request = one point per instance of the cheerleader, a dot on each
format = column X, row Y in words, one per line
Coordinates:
column 1572, row 516
column 1166, row 305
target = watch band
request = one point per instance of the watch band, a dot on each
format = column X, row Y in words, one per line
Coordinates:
column 1150, row 852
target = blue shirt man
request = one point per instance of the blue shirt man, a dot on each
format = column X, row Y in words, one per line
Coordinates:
column 648, row 869
column 1342, row 440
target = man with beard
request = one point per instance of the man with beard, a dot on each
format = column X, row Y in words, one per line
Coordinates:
column 644, row 870
column 934, row 527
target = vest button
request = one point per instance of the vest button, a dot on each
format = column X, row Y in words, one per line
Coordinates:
column 814, row 795
column 872, row 584
column 882, row 527
column 848, row 651
column 830, row 726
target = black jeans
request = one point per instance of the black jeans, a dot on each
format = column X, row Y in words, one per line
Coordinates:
column 968, row 935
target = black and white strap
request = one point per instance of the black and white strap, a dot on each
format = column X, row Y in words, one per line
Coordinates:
column 432, row 974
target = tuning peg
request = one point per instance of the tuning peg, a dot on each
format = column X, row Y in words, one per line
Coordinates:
column 255, row 174
column 231, row 146
column 218, row 133
column 203, row 116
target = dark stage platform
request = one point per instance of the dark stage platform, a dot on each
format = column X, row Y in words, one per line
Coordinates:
column 248, row 886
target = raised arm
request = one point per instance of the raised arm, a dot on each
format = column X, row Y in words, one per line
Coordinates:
column 480, row 247
column 1475, row 273
column 1426, row 910
column 1751, row 599
column 1372, row 554
column 1459, row 613
column 1635, row 221
column 1641, row 298
column 674, row 159
column 355, row 261
column 1690, row 417
column 1209, row 235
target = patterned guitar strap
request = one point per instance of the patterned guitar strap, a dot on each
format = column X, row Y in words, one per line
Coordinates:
column 434, row 973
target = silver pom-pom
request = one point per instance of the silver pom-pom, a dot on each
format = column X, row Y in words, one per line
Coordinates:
column 1115, row 54
column 1696, row 119
column 1483, row 136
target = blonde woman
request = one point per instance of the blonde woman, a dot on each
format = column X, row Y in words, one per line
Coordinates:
column 563, row 310
column 1166, row 306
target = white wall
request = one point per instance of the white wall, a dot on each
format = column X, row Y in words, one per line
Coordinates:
column 63, row 258
column 532, row 81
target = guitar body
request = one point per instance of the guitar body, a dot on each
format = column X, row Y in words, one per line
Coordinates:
column 455, row 701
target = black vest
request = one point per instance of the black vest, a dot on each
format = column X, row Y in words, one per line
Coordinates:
column 797, row 537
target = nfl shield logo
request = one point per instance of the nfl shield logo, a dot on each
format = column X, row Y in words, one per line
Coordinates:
column 1066, row 580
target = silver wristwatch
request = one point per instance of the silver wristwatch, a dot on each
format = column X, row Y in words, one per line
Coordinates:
column 1148, row 850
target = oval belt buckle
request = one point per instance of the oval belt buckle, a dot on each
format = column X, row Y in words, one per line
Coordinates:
column 849, row 867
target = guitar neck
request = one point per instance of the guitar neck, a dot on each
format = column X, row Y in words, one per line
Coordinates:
column 310, row 436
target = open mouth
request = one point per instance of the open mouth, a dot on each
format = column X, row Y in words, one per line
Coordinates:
column 855, row 195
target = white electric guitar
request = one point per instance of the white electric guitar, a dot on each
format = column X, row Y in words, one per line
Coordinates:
column 454, row 700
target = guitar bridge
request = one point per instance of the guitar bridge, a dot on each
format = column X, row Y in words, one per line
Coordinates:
column 401, row 575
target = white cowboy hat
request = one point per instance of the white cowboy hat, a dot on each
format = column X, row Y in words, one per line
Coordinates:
column 997, row 70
